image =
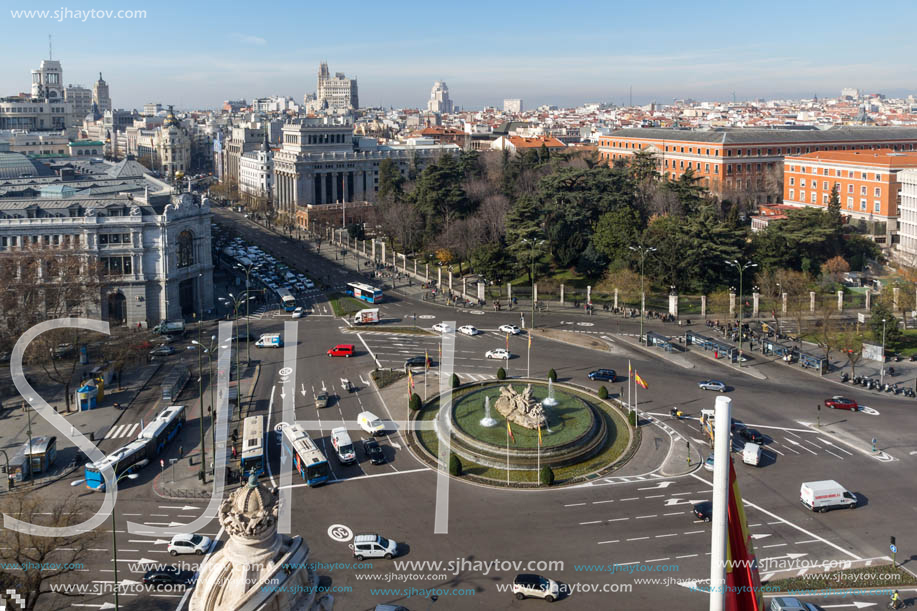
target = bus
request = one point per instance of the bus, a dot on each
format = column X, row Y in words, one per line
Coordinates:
column 253, row 445
column 308, row 460
column 365, row 292
column 286, row 299
column 137, row 454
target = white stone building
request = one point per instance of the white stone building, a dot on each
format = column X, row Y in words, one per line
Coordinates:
column 907, row 217
column 256, row 170
column 439, row 101
column 80, row 99
column 512, row 105
column 337, row 93
column 100, row 94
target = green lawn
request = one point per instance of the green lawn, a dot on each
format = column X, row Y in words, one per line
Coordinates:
column 344, row 305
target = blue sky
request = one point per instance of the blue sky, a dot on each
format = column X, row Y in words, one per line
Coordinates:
column 197, row 54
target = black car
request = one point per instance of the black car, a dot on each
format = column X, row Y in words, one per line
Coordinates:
column 168, row 575
column 751, row 435
column 704, row 511
column 373, row 451
column 606, row 375
column 418, row 361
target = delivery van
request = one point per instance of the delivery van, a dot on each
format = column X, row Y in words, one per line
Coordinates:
column 269, row 340
column 366, row 317
column 751, row 454
column 826, row 494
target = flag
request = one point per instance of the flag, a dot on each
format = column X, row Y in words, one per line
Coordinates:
column 539, row 435
column 426, row 360
column 411, row 381
column 507, row 342
column 742, row 577
column 530, row 340
column 639, row 380
column 629, row 374
column 509, row 431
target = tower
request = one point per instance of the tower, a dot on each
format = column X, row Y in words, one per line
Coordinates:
column 48, row 81
column 100, row 94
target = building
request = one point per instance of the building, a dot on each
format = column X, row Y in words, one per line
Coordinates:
column 152, row 108
column 513, row 105
column 242, row 139
column 234, row 106
column 907, row 217
column 80, row 99
column 740, row 162
column 439, row 99
column 337, row 93
column 40, row 144
column 152, row 245
column 33, row 114
column 100, row 94
column 321, row 162
column 48, row 81
column 256, row 170
column 519, row 144
column 867, row 183
column 86, row 148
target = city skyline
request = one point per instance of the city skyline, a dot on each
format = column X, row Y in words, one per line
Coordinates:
column 783, row 53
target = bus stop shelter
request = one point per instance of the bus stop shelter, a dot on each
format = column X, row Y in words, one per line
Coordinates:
column 657, row 339
column 773, row 347
column 810, row 361
column 709, row 343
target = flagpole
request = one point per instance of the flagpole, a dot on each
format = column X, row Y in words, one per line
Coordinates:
column 507, row 452
column 538, row 467
column 630, row 376
column 528, row 360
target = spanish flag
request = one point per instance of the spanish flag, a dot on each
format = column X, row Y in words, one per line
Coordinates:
column 539, row 434
column 507, row 342
column 530, row 340
column 426, row 360
column 509, row 431
column 639, row 380
column 410, row 381
column 742, row 577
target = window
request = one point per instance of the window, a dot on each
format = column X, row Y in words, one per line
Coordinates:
column 878, row 192
column 792, row 193
column 824, row 198
column 802, row 182
column 850, row 188
column 825, row 171
column 185, row 249
column 863, row 190
column 792, row 180
column 849, row 203
column 863, row 205
column 103, row 238
column 824, row 185
column 802, row 195
column 877, row 206
column 814, row 197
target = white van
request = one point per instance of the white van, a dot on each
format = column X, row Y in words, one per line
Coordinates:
column 343, row 446
column 751, row 454
column 826, row 494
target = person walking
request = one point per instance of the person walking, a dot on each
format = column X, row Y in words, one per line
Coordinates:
column 181, row 451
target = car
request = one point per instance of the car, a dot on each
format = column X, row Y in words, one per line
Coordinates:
column 373, row 451
column 511, row 329
column 298, row 312
column 527, row 585
column 345, row 350
column 321, row 399
column 837, row 402
column 163, row 350
column 788, row 603
column 373, row 546
column 751, row 435
column 468, row 330
column 442, row 327
column 708, row 464
column 712, row 385
column 309, row 284
column 418, row 361
column 4, row 357
column 499, row 353
column 62, row 350
column 168, row 575
column 187, row 543
column 343, row 446
column 370, row 423
column 607, row 375
column 704, row 511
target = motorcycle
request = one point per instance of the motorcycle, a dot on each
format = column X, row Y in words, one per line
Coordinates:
column 676, row 413
column 896, row 389
column 857, row 380
column 844, row 377
column 909, row 392
column 887, row 387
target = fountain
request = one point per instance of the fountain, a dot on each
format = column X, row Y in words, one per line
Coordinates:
column 487, row 420
column 549, row 401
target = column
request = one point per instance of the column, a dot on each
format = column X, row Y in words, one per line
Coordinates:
column 755, row 303
column 732, row 304
column 895, row 292
column 811, row 301
column 426, row 272
column 562, row 294
column 588, row 293
column 383, row 252
column 335, row 193
column 373, row 243
column 703, row 306
column 868, row 296
column 415, row 268
column 783, row 305
column 535, row 292
column 616, row 298
column 439, row 276
column 323, row 188
column 840, row 301
column 450, row 280
column 405, row 263
column 481, row 292
column 673, row 304
column 509, row 293
column 464, row 287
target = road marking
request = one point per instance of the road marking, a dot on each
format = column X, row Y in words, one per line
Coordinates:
column 693, row 532
column 655, row 496
column 686, row 556
column 601, row 502
column 633, row 498
column 773, row 545
column 637, row 539
column 604, row 542
column 358, row 477
column 644, row 517
column 593, row 522
column 833, row 454
column 676, row 513
column 807, row 541
column 661, row 536
column 574, row 504
column 618, row 519
column 363, row 341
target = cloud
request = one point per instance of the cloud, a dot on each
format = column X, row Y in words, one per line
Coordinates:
column 249, row 40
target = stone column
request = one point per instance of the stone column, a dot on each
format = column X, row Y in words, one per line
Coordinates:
column 464, row 287
column 895, row 292
column 415, row 267
column 703, row 306
column 868, row 298
column 783, row 304
column 673, row 304
column 732, row 304
column 535, row 292
column 404, row 267
column 840, row 301
column 509, row 292
column 755, row 304
column 383, row 252
column 811, row 301
column 481, row 292
column 426, row 272
column 616, row 298
column 324, row 188
column 588, row 293
column 439, row 276
column 450, row 280
column 561, row 294
column 373, row 244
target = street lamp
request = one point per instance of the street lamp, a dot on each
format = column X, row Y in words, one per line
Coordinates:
column 643, row 251
column 200, row 351
column 882, row 371
column 741, row 267
column 248, row 349
column 534, row 243
column 114, row 531
column 236, row 303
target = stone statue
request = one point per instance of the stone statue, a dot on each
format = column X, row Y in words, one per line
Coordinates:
column 520, row 408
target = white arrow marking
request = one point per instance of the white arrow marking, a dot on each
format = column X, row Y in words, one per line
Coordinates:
column 857, row 604
column 283, row 393
column 396, row 445
column 676, row 501
column 184, row 508
column 693, row 584
column 659, row 485
column 796, row 443
column 791, row 556
column 760, row 536
column 303, row 391
column 141, row 561
column 364, row 381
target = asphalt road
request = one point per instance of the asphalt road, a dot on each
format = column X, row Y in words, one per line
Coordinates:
column 639, row 523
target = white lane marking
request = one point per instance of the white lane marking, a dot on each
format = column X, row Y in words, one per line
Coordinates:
column 638, row 539
column 686, row 556
column 363, row 341
column 773, row 545
column 574, row 504
column 618, row 519
column 593, row 522
column 601, row 502
column 644, row 517
column 130, row 433
column 604, row 542
column 358, row 477
column 661, row 536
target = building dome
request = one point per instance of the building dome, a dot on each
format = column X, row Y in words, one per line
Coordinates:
column 170, row 121
column 252, row 498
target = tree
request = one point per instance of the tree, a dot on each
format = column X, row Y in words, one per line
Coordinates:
column 501, row 374
column 391, row 182
column 455, row 465
column 415, row 403
column 834, row 268
column 892, row 334
column 491, row 262
column 43, row 561
column 615, row 231
column 455, row 382
column 850, row 342
column 603, row 392
column 827, row 335
column 552, row 375
column 546, row 476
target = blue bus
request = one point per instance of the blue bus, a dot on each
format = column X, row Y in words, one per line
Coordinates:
column 365, row 292
column 253, row 445
column 286, row 299
column 308, row 460
column 138, row 453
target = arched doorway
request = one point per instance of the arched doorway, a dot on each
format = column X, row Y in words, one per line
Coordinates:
column 186, row 297
column 117, row 310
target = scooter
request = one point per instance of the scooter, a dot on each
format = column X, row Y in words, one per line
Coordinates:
column 896, row 389
column 844, row 377
column 857, row 380
column 676, row 413
column 909, row 392
column 887, row 387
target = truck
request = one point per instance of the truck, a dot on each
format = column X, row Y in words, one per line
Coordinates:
column 826, row 494
column 751, row 454
column 269, row 340
column 366, row 317
column 169, row 327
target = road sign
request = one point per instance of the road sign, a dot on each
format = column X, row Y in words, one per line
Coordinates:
column 893, row 548
column 339, row 532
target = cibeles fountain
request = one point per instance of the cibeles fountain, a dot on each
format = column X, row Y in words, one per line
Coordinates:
column 258, row 569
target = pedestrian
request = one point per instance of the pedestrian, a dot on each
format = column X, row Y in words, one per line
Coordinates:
column 181, row 451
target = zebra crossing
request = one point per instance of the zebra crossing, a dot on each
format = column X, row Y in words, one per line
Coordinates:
column 469, row 377
column 122, row 430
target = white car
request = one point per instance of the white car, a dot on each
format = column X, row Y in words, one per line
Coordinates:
column 370, row 423
column 499, row 353
column 708, row 464
column 298, row 312
column 511, row 329
column 468, row 330
column 442, row 327
column 189, row 544
column 309, row 284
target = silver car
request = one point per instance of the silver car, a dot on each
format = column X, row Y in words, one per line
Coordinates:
column 712, row 385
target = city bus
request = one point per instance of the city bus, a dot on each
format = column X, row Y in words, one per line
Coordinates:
column 137, row 454
column 308, row 460
column 365, row 292
column 253, row 445
column 286, row 299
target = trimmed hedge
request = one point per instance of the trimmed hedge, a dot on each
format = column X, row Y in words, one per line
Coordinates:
column 415, row 403
column 455, row 465
column 546, row 476
column 603, row 392
column 501, row 374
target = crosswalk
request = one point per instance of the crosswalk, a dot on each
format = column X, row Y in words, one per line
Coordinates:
column 469, row 377
column 122, row 430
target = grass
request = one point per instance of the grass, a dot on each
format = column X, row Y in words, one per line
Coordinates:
column 344, row 305
column 876, row 576
column 384, row 377
column 615, row 445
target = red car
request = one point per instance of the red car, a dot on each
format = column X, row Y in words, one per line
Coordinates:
column 841, row 403
column 345, row 350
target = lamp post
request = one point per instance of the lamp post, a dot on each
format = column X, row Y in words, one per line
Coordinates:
column 534, row 243
column 236, row 303
column 642, row 251
column 882, row 371
column 248, row 348
column 201, row 350
column 741, row 267
column 114, row 531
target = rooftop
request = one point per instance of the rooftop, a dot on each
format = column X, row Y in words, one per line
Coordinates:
column 885, row 158
column 740, row 135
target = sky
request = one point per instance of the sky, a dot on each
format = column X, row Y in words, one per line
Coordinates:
column 198, row 53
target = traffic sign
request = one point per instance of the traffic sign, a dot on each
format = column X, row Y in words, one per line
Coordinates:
column 893, row 548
